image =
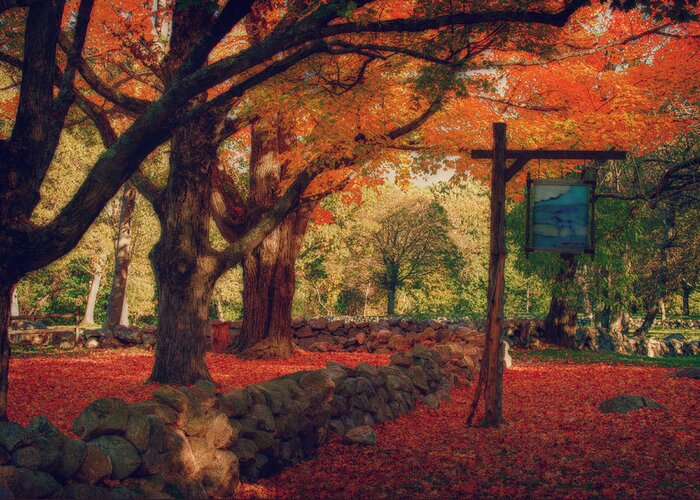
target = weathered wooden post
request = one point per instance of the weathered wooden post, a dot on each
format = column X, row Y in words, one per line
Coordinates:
column 492, row 369
column 491, row 375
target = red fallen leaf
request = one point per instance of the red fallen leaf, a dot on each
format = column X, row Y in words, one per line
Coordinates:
column 60, row 387
column 555, row 444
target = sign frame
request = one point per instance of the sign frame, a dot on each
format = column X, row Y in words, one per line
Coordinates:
column 529, row 220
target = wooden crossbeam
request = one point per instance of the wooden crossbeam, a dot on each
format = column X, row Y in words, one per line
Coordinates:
column 551, row 154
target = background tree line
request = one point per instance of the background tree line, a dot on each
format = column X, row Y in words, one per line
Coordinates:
column 428, row 247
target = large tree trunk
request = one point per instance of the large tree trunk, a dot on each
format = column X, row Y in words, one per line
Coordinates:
column 93, row 291
column 117, row 303
column 184, row 264
column 269, row 279
column 560, row 324
column 269, row 270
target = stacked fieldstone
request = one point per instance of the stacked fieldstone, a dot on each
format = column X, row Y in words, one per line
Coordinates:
column 193, row 442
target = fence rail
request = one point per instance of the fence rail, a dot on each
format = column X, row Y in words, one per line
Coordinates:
column 74, row 329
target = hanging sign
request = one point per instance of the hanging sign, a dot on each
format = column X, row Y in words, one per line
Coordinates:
column 560, row 216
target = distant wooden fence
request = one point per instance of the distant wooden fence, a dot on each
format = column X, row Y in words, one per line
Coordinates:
column 73, row 329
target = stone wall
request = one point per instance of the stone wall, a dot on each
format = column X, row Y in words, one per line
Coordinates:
column 381, row 337
column 597, row 339
column 194, row 442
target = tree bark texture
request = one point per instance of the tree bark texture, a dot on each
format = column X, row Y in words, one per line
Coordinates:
column 560, row 325
column 269, row 278
column 14, row 308
column 184, row 264
column 93, row 291
column 491, row 374
column 6, row 290
column 117, row 303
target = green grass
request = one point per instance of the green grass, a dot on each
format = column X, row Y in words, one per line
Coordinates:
column 26, row 351
column 591, row 357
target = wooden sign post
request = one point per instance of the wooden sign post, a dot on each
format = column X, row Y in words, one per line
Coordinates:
column 491, row 377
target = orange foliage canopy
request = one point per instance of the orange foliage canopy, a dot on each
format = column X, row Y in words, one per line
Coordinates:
column 607, row 79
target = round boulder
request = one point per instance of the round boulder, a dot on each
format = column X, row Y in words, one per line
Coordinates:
column 363, row 435
column 625, row 403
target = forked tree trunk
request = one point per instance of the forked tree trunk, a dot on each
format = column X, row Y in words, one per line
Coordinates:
column 269, row 279
column 6, row 290
column 93, row 291
column 117, row 303
column 560, row 324
column 269, row 270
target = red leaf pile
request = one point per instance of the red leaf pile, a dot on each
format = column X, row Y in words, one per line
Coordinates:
column 556, row 444
column 60, row 387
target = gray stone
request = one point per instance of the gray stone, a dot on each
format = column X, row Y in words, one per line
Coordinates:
column 266, row 421
column 418, row 378
column 171, row 397
column 363, row 435
column 73, row 454
column 138, row 430
column 28, row 457
column 220, row 434
column 402, row 358
column 95, row 467
column 165, row 413
column 627, row 402
column 149, row 340
column 333, row 326
column 34, row 484
column 245, row 449
column 220, row 476
column 92, row 343
column 125, row 335
column 318, row 386
column 304, row 332
column 13, row 436
column 235, row 403
column 80, row 491
column 431, row 401
column 688, row 372
column 102, row 416
column 122, row 454
column 151, row 463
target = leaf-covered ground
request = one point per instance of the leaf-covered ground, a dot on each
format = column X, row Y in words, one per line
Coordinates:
column 61, row 386
column 556, row 444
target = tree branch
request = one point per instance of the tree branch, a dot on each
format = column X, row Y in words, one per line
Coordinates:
column 131, row 105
